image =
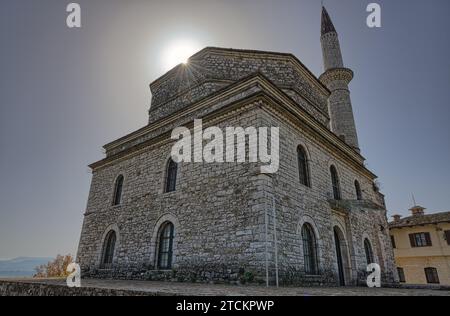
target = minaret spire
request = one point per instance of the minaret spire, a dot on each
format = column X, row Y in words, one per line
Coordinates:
column 327, row 24
column 331, row 49
column 336, row 77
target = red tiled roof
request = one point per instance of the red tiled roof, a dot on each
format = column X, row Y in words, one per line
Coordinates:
column 421, row 220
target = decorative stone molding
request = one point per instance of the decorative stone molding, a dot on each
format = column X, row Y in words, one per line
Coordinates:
column 336, row 74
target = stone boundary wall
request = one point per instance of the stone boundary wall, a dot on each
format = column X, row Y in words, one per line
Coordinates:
column 47, row 288
column 24, row 288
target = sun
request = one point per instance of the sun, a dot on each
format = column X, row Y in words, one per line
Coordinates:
column 178, row 52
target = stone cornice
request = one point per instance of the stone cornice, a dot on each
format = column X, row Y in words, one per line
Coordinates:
column 348, row 205
column 211, row 99
column 164, row 137
column 294, row 89
column 291, row 118
column 223, row 93
column 270, row 93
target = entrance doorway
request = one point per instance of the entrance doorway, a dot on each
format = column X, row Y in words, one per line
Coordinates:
column 340, row 246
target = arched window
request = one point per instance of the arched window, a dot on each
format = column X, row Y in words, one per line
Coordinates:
column 368, row 251
column 118, row 190
column 171, row 176
column 335, row 182
column 303, row 172
column 358, row 190
column 165, row 247
column 108, row 249
column 310, row 250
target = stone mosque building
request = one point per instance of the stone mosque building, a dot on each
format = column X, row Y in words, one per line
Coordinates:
column 319, row 220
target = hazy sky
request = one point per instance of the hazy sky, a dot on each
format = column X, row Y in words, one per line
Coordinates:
column 66, row 92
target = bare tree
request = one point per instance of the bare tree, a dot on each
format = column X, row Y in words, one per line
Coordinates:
column 54, row 269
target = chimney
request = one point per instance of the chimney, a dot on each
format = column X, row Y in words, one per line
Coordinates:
column 417, row 210
column 396, row 218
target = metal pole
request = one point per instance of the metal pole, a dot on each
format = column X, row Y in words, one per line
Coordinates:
column 266, row 219
column 275, row 238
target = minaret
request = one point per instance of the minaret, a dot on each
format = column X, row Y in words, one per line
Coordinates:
column 336, row 78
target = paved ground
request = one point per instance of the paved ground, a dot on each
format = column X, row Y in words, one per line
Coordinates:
column 173, row 288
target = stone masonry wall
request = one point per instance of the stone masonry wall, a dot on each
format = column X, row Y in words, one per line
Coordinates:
column 21, row 288
column 213, row 211
column 297, row 204
column 219, row 213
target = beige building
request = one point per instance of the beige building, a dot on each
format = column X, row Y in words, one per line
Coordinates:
column 422, row 247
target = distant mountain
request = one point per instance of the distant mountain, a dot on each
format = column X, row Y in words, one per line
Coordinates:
column 21, row 266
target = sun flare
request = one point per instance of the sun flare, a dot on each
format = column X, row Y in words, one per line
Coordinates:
column 178, row 52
